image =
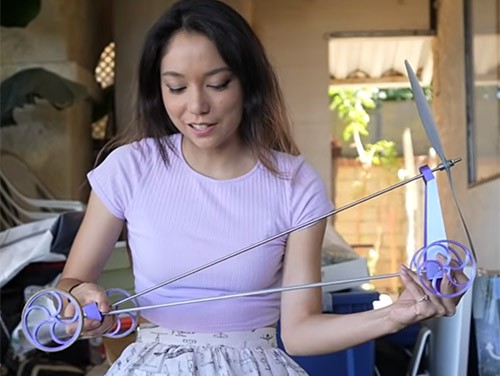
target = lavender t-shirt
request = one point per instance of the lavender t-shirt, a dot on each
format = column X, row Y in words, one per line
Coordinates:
column 178, row 220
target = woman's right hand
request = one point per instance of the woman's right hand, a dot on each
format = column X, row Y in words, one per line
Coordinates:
column 89, row 293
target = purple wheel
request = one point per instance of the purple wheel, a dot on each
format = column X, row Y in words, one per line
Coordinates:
column 44, row 324
column 431, row 271
column 126, row 322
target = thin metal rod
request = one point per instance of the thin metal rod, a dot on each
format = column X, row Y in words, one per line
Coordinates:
column 440, row 167
column 252, row 293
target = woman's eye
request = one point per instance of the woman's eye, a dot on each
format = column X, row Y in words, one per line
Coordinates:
column 221, row 86
column 176, row 90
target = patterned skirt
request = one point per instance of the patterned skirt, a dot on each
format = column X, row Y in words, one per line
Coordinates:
column 161, row 351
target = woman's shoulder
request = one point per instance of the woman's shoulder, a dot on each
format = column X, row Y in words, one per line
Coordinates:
column 145, row 150
column 135, row 148
column 290, row 166
column 307, row 192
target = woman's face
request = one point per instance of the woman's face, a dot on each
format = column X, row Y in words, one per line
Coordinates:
column 203, row 98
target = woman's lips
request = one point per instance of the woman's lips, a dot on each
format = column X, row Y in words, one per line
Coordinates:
column 201, row 129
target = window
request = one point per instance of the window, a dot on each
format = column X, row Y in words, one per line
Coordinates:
column 105, row 76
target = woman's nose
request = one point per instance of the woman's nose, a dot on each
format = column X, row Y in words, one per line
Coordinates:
column 198, row 102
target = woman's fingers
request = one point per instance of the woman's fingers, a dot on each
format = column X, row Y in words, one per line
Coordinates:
column 95, row 328
column 426, row 304
column 447, row 288
column 90, row 293
column 69, row 311
column 449, row 285
column 411, row 285
column 423, row 299
column 419, row 292
column 460, row 276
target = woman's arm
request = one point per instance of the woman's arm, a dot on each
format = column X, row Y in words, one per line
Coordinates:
column 306, row 331
column 89, row 252
column 93, row 243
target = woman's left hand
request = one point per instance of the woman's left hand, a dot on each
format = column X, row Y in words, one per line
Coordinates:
column 416, row 303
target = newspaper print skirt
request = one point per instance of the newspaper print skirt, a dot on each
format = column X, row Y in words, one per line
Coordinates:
column 161, row 351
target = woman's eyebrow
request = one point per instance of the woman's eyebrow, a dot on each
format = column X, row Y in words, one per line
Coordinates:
column 209, row 73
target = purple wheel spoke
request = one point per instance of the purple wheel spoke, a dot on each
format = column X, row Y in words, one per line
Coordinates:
column 116, row 330
column 44, row 309
column 54, row 336
column 436, row 286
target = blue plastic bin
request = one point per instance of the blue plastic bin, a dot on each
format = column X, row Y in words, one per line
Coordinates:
column 356, row 361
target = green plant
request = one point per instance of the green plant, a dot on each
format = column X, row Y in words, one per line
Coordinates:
column 399, row 94
column 352, row 107
column 28, row 85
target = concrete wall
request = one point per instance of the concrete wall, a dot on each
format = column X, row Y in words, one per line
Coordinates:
column 66, row 38
column 481, row 203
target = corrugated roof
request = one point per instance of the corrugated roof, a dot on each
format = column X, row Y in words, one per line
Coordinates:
column 379, row 60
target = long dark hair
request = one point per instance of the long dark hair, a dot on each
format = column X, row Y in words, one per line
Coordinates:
column 264, row 125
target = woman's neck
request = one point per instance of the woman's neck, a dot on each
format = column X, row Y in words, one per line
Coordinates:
column 222, row 164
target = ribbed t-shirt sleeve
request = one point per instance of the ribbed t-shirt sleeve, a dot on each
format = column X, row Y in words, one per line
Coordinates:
column 117, row 178
column 310, row 198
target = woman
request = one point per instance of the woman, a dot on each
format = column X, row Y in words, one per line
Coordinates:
column 210, row 168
